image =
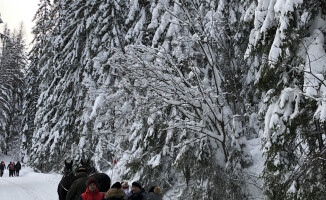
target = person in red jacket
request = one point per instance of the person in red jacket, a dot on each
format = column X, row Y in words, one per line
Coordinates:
column 92, row 191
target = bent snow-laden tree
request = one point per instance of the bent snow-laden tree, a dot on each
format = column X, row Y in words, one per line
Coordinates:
column 193, row 71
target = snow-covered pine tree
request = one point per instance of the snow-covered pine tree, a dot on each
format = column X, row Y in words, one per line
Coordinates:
column 41, row 145
column 41, row 33
column 12, row 66
column 102, row 118
column 286, row 49
column 138, row 19
column 72, row 78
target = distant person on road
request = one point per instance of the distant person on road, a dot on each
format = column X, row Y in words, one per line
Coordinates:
column 2, row 168
column 11, row 168
column 18, row 167
column 92, row 191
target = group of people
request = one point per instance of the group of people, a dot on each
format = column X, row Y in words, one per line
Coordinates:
column 120, row 191
column 12, row 167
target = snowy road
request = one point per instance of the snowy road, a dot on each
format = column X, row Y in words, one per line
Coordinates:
column 29, row 186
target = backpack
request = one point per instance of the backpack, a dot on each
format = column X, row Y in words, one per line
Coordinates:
column 11, row 167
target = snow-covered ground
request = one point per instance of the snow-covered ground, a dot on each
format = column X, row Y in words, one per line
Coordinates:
column 29, row 185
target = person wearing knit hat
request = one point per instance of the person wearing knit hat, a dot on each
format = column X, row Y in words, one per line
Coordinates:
column 92, row 191
column 125, row 187
column 136, row 184
column 115, row 192
column 137, row 192
column 154, row 193
column 92, row 180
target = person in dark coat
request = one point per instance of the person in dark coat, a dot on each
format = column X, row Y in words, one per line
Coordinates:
column 137, row 192
column 18, row 167
column 92, row 191
column 115, row 192
column 154, row 193
column 11, row 168
column 78, row 186
column 2, row 168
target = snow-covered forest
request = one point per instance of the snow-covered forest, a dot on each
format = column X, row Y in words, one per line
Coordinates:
column 209, row 99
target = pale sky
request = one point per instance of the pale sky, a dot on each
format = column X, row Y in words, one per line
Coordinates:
column 13, row 12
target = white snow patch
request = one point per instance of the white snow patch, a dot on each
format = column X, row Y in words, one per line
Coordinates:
column 97, row 103
column 29, row 185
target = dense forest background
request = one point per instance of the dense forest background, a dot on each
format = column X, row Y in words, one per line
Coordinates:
column 176, row 91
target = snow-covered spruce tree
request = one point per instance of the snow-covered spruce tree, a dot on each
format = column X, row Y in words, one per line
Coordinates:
column 41, row 32
column 73, row 78
column 190, row 70
column 137, row 22
column 12, row 65
column 5, row 96
column 40, row 80
column 102, row 117
column 46, row 53
column 286, row 49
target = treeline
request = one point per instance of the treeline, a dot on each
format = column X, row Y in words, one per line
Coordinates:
column 176, row 90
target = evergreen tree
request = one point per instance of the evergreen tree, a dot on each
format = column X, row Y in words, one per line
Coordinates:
column 280, row 47
column 12, row 65
column 83, row 33
column 41, row 33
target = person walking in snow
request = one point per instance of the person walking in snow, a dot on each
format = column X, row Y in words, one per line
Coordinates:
column 18, row 167
column 2, row 168
column 11, row 168
column 115, row 192
column 92, row 191
column 137, row 192
column 154, row 193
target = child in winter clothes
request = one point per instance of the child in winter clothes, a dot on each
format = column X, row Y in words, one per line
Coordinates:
column 115, row 192
column 92, row 191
